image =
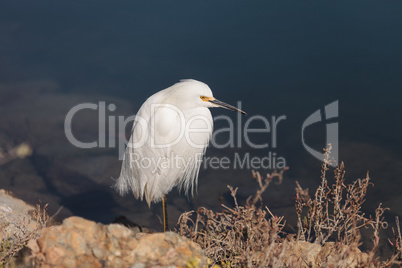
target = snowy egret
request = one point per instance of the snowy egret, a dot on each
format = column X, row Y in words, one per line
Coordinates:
column 169, row 136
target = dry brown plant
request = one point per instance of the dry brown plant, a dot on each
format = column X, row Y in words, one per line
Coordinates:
column 12, row 243
column 239, row 236
column 397, row 244
column 328, row 226
column 335, row 212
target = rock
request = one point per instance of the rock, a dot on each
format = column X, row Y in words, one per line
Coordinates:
column 15, row 220
column 83, row 243
column 353, row 257
column 19, row 225
column 314, row 255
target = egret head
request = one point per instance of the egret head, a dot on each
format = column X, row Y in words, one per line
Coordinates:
column 199, row 94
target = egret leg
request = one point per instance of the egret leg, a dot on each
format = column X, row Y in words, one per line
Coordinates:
column 165, row 218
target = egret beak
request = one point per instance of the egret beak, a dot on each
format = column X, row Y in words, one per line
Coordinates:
column 225, row 105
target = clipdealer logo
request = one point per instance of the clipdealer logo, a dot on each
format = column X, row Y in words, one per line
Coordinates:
column 109, row 125
column 330, row 112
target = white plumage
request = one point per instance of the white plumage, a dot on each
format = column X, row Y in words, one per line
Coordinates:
column 169, row 137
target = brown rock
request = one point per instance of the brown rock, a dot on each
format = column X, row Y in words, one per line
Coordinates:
column 351, row 256
column 33, row 245
column 14, row 216
column 82, row 243
column 54, row 255
column 77, row 243
column 314, row 255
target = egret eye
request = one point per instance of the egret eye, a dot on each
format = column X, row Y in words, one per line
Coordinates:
column 205, row 98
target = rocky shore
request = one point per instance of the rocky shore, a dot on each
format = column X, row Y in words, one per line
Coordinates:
column 78, row 242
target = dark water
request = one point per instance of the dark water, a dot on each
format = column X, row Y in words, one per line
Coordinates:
column 279, row 58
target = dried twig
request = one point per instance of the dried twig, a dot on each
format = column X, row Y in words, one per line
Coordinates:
column 13, row 243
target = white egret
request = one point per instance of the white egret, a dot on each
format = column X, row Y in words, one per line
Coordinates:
column 170, row 134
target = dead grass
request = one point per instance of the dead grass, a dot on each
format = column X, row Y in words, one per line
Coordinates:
column 328, row 235
column 12, row 243
column 335, row 212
